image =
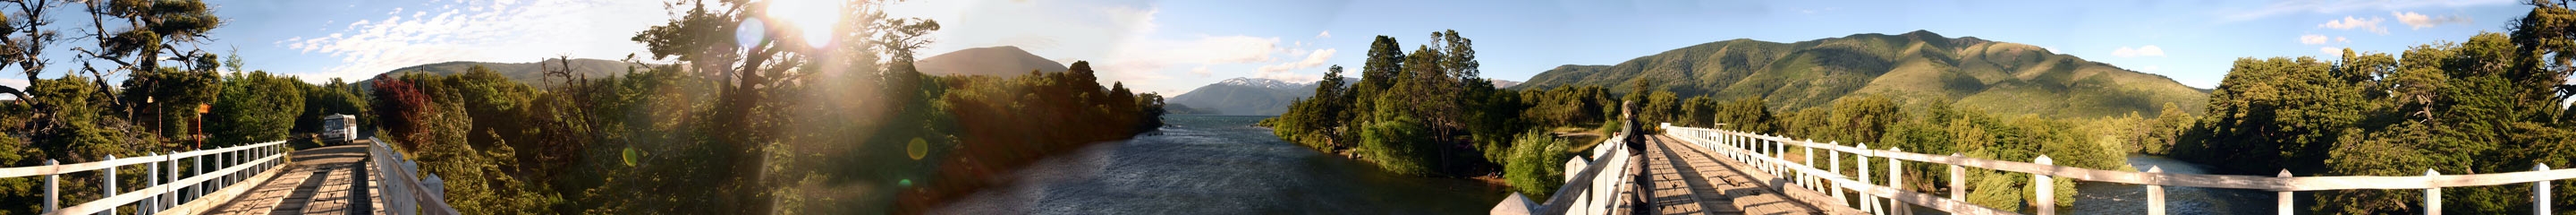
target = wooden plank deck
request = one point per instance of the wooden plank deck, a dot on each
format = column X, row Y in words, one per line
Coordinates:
column 1692, row 180
column 326, row 180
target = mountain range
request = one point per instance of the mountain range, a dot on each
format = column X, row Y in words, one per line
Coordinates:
column 532, row 73
column 1915, row 67
column 1246, row 96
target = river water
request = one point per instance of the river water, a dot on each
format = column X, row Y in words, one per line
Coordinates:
column 2116, row 198
column 1219, row 165
column 1223, row 165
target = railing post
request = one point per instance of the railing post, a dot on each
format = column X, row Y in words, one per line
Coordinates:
column 1958, row 183
column 2155, row 194
column 169, row 174
column 111, row 182
column 2540, row 191
column 1837, row 169
column 2432, row 196
column 53, row 189
column 1772, row 149
column 2285, row 193
column 1896, row 178
column 1808, row 180
column 152, row 175
column 1867, row 203
column 199, row 164
column 2047, row 198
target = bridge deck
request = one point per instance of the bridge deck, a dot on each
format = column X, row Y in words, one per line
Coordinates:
column 322, row 180
column 1690, row 180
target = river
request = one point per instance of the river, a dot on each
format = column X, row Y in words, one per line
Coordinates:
column 1223, row 165
column 1219, row 165
column 2116, row 198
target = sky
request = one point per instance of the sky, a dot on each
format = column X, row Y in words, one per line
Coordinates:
column 1171, row 47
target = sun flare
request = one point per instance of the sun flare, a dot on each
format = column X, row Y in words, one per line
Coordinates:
column 813, row 19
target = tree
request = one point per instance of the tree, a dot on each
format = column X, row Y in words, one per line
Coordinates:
column 255, row 107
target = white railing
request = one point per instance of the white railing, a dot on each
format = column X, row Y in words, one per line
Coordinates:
column 223, row 169
column 1593, row 190
column 403, row 192
column 1768, row 152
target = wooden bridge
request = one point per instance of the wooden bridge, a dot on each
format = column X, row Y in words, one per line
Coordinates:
column 264, row 178
column 1710, row 171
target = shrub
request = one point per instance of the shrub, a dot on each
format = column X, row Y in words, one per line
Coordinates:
column 1398, row 145
column 1537, row 165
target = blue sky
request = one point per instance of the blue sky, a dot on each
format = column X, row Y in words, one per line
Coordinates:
column 1174, row 46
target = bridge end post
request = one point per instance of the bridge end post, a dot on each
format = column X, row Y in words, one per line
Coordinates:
column 2155, row 194
column 2285, row 193
column 2047, row 198
column 2540, row 191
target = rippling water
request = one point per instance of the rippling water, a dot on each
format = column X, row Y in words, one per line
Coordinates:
column 2115, row 198
column 1219, row 165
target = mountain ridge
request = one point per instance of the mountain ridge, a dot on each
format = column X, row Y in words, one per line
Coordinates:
column 1915, row 67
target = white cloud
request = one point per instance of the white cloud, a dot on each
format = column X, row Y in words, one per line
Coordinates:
column 2340, row 39
column 2330, row 51
column 2349, row 23
column 1325, row 35
column 2340, row 6
column 2051, row 49
column 1285, row 71
column 1202, row 71
column 503, row 31
column 2313, row 39
column 2420, row 21
column 2142, row 51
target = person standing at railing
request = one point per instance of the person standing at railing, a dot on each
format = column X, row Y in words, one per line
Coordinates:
column 1633, row 141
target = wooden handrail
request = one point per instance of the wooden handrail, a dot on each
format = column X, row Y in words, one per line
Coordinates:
column 2309, row 183
column 13, row 172
column 161, row 195
column 2284, row 183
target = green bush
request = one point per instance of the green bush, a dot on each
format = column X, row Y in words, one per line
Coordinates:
column 1537, row 165
column 1398, row 145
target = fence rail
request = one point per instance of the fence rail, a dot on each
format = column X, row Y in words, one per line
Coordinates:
column 405, row 192
column 1769, row 152
column 222, row 168
column 1592, row 190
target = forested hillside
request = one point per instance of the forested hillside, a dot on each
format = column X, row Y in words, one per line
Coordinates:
column 1915, row 67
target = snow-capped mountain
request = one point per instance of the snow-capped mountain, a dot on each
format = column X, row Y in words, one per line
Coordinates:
column 1264, row 83
column 1247, row 96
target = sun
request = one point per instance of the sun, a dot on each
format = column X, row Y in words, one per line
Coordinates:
column 812, row 18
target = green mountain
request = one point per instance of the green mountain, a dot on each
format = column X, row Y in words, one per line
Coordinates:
column 1915, row 67
column 532, row 73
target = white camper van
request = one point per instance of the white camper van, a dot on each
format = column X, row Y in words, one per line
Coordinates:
column 339, row 129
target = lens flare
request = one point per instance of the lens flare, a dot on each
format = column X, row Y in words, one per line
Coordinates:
column 812, row 19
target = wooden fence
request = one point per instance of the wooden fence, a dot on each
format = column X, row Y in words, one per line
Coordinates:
column 1593, row 190
column 405, row 192
column 172, row 189
column 1768, row 153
